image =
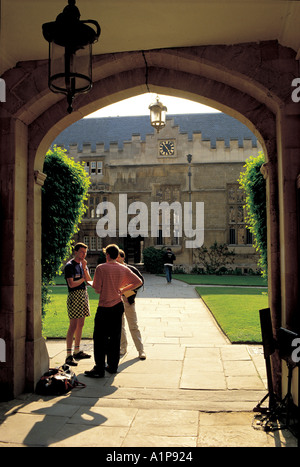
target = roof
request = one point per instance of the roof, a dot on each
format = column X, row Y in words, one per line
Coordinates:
column 213, row 127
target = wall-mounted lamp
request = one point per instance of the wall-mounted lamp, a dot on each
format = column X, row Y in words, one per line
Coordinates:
column 70, row 52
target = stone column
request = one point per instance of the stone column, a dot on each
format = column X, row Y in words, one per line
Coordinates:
column 288, row 134
column 288, row 130
column 20, row 322
column 37, row 360
column 13, row 183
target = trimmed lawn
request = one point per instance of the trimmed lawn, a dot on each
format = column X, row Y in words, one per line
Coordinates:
column 56, row 321
column 210, row 279
column 236, row 310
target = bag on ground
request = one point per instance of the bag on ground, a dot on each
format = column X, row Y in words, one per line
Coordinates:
column 57, row 381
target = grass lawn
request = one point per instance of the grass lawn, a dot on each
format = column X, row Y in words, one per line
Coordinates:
column 236, row 309
column 211, row 279
column 56, row 321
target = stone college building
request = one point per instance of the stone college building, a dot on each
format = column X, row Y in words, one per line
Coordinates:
column 145, row 186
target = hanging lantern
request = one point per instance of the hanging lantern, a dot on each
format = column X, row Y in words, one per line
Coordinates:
column 70, row 52
column 158, row 115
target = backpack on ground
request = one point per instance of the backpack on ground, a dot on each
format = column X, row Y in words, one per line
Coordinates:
column 57, row 381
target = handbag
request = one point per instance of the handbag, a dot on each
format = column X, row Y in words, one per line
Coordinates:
column 57, row 381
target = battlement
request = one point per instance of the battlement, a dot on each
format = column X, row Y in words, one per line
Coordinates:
column 87, row 148
column 146, row 152
column 209, row 138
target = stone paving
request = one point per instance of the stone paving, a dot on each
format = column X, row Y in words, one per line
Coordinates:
column 194, row 389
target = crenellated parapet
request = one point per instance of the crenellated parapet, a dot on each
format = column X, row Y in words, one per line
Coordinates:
column 147, row 149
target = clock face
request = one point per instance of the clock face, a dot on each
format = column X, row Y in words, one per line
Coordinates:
column 166, row 148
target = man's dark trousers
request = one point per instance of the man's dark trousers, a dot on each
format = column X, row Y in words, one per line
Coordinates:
column 107, row 336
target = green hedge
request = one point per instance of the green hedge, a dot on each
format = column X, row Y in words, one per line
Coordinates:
column 153, row 260
column 63, row 205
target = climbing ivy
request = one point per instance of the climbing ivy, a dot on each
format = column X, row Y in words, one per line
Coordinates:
column 215, row 258
column 254, row 185
column 63, row 206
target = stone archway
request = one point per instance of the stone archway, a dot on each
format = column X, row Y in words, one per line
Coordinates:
column 251, row 82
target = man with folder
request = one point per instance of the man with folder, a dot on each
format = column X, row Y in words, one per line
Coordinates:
column 111, row 281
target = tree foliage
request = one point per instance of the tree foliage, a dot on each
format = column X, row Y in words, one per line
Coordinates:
column 254, row 185
column 153, row 260
column 63, row 196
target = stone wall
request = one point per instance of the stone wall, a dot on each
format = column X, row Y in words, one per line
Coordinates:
column 142, row 173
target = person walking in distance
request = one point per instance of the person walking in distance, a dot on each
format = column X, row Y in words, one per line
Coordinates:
column 111, row 281
column 76, row 275
column 168, row 259
column 131, row 316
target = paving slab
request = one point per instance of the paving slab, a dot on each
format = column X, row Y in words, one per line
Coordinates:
column 194, row 389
